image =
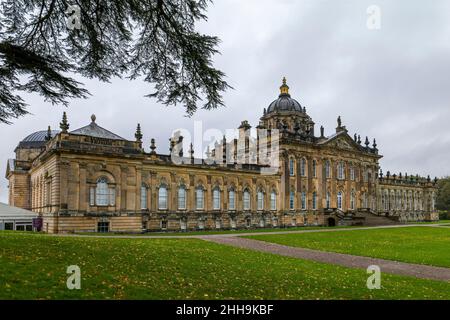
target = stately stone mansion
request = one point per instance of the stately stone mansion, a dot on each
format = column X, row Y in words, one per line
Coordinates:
column 91, row 179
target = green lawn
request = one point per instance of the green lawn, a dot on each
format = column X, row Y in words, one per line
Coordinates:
column 423, row 245
column 33, row 266
column 432, row 222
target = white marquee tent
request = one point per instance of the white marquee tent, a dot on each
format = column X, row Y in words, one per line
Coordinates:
column 13, row 218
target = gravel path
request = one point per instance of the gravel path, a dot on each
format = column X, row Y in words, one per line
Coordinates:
column 346, row 260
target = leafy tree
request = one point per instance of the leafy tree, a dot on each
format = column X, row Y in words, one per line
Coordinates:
column 43, row 42
column 443, row 196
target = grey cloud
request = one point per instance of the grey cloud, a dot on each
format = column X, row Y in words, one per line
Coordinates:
column 391, row 84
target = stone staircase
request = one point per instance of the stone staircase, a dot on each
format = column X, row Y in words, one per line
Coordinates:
column 371, row 219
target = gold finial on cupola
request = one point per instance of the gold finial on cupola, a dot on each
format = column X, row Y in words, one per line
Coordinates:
column 284, row 89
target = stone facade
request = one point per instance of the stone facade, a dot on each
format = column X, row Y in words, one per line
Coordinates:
column 90, row 179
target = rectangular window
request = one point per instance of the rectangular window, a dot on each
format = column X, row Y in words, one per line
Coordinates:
column 314, row 168
column 103, row 227
column 181, row 198
column 162, row 198
column 291, row 167
column 314, row 201
column 260, row 200
column 273, row 201
column 231, row 200
column 341, row 169
column 199, row 199
column 303, row 168
column 339, row 201
column 9, row 225
column 216, row 199
column 291, row 200
column 303, row 200
column 102, row 194
column 246, row 200
column 352, row 174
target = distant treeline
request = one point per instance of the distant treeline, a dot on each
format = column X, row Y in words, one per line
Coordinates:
column 443, row 198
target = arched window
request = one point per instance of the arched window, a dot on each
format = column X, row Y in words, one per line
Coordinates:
column 231, row 199
column 327, row 169
column 162, row 198
column 314, row 168
column 328, row 200
column 246, row 200
column 314, row 200
column 291, row 167
column 260, row 200
column 144, row 191
column 182, row 198
column 102, row 195
column 216, row 198
column 303, row 167
column 273, row 200
column 341, row 168
column 199, row 198
column 291, row 200
column 339, row 200
column 303, row 200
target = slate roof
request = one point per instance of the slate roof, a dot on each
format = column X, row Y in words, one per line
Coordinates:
column 94, row 130
column 284, row 103
column 36, row 139
column 39, row 136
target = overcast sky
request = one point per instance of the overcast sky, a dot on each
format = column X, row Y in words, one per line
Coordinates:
column 391, row 83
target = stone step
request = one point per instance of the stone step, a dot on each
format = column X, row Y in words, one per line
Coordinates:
column 374, row 220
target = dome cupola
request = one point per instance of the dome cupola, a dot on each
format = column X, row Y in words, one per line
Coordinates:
column 284, row 103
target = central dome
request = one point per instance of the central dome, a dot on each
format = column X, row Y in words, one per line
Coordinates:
column 284, row 101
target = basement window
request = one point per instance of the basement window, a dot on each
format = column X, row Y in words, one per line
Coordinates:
column 103, row 227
